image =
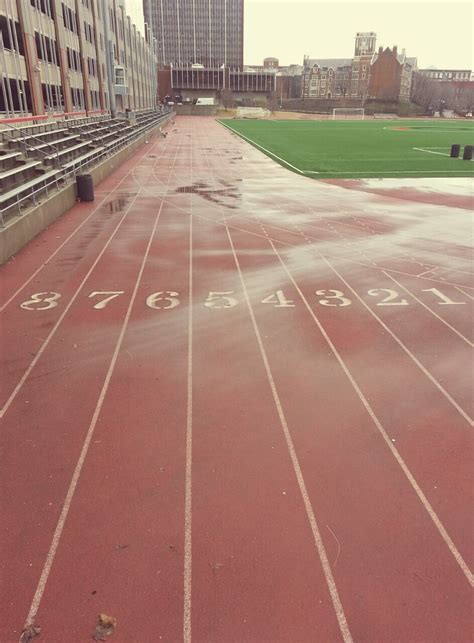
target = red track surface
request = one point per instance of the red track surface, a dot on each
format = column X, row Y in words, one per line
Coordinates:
column 295, row 470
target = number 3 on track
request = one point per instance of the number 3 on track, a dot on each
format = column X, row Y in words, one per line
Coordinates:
column 337, row 296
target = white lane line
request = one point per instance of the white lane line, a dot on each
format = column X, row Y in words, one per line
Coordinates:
column 424, row 500
column 189, row 449
column 46, row 262
column 402, row 345
column 85, row 447
column 465, row 339
column 336, row 601
column 33, row 363
column 422, row 274
column 249, row 140
column 45, row 344
column 464, row 292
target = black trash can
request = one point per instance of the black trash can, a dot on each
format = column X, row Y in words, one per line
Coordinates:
column 467, row 156
column 85, row 187
column 455, row 150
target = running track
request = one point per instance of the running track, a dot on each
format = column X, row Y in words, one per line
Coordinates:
column 236, row 405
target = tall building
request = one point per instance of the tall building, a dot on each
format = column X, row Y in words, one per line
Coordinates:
column 364, row 50
column 197, row 32
column 64, row 56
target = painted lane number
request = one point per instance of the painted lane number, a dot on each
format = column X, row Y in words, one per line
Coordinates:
column 336, row 299
column 446, row 301
column 221, row 300
column 390, row 300
column 278, row 300
column 163, row 300
column 111, row 294
column 47, row 298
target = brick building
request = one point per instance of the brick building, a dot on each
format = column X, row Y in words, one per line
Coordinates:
column 391, row 75
column 326, row 78
column 364, row 51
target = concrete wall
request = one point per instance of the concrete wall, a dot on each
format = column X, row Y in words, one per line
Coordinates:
column 196, row 110
column 19, row 231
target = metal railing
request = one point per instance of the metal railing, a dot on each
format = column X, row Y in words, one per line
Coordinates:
column 65, row 176
column 31, row 148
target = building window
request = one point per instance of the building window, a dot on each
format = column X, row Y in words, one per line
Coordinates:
column 15, row 43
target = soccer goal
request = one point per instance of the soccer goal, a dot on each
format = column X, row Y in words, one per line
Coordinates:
column 348, row 113
column 252, row 112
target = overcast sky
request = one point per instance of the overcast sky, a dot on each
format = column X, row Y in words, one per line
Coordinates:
column 437, row 33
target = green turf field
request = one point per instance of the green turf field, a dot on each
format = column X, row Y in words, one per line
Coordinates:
column 361, row 149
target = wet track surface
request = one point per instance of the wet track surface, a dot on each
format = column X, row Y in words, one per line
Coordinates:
column 236, row 405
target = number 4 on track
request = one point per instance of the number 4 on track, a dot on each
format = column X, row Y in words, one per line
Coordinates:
column 278, row 300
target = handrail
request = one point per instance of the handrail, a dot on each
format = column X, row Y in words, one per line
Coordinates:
column 31, row 147
column 63, row 174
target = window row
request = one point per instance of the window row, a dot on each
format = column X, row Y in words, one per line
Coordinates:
column 69, row 18
column 44, row 6
column 89, row 32
column 73, row 59
column 11, row 36
column 46, row 49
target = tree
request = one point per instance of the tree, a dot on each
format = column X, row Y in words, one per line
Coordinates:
column 272, row 101
column 227, row 98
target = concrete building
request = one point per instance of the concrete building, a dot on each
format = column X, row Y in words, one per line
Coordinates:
column 447, row 75
column 391, row 75
column 73, row 56
column 203, row 32
column 271, row 63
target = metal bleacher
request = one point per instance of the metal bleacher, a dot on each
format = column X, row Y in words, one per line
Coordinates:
column 35, row 159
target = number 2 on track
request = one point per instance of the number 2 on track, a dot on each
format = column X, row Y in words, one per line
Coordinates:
column 390, row 300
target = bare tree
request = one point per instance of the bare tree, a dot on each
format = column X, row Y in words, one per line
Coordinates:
column 272, row 101
column 227, row 98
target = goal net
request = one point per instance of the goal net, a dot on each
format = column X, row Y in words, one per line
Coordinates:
column 252, row 112
column 348, row 113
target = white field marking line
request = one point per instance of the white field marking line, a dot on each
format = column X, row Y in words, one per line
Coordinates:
column 421, row 149
column 249, row 140
column 465, row 339
column 80, row 463
column 424, row 500
column 463, row 292
column 189, row 447
column 25, row 375
column 336, row 601
column 389, row 172
column 17, row 292
column 402, row 345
